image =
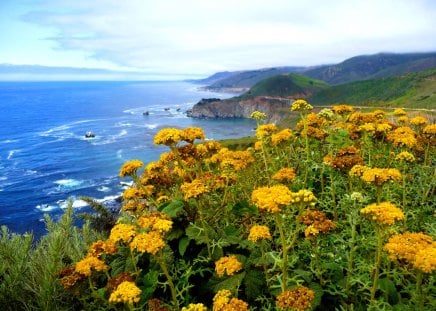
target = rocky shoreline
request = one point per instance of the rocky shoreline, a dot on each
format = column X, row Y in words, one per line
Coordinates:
column 213, row 108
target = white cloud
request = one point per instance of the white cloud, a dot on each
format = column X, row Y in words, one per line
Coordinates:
column 204, row 36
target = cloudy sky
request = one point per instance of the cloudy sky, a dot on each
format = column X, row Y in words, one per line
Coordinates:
column 177, row 37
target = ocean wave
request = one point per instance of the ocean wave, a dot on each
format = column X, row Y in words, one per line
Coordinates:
column 110, row 139
column 9, row 141
column 77, row 203
column 46, row 207
column 12, row 153
column 151, row 126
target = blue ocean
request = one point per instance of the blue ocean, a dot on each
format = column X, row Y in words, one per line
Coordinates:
column 46, row 159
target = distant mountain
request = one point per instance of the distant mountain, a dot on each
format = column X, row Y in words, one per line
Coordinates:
column 215, row 77
column 413, row 90
column 240, row 81
column 373, row 66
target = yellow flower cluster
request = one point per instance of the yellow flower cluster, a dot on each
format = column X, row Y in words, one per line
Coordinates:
column 134, row 206
column 126, row 292
column 228, row 265
column 122, row 232
column 303, row 196
column 298, row 299
column 280, row 137
column 426, row 259
column 326, row 113
column 312, row 119
column 405, row 157
column 150, row 242
column 342, row 109
column 418, row 121
column 314, row 132
column 266, row 130
column 316, row 221
column 417, row 249
column 168, row 136
column 235, row 160
column 403, row 136
column 285, row 174
column 367, row 127
column 430, row 130
column 405, row 246
column 157, row 221
column 360, row 118
column 357, row 170
column 379, row 176
column 272, row 199
column 403, row 119
column 138, row 193
column 129, row 168
column 301, row 105
column 257, row 115
column 222, row 301
column 192, row 133
column 195, row 307
column 399, row 112
column 259, row 233
column 98, row 248
column 345, row 158
column 193, row 189
column 69, row 277
column 86, row 265
column 384, row 213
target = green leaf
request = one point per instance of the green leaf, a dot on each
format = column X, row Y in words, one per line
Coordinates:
column 244, row 208
column 388, row 287
column 318, row 294
column 148, row 284
column 183, row 245
column 254, row 284
column 196, row 233
column 231, row 283
column 174, row 209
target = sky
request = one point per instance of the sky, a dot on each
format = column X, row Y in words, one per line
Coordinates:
column 178, row 38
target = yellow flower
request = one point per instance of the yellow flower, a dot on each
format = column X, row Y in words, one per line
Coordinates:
column 379, row 176
column 168, row 136
column 259, row 233
column 303, row 196
column 399, row 112
column 122, row 232
column 281, row 136
column 384, row 213
column 367, row 127
column 418, row 121
column 86, row 265
column 130, row 168
column 430, row 130
column 300, row 105
column 257, row 115
column 223, row 302
column 258, row 145
column 266, row 130
column 285, row 174
column 192, row 133
column 298, row 299
column 342, row 109
column 272, row 199
column 126, row 292
column 406, row 246
column 228, row 265
column 234, row 160
column 426, row 259
column 405, row 156
column 357, row 170
column 403, row 119
column 403, row 136
column 98, row 248
column 150, row 242
column 194, row 189
column 156, row 221
column 195, row 307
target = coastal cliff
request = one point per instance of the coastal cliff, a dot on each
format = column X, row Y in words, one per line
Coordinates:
column 274, row 108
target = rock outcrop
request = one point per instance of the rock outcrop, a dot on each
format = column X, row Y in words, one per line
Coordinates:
column 274, row 108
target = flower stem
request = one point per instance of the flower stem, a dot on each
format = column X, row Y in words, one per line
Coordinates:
column 164, row 268
column 285, row 248
column 378, row 254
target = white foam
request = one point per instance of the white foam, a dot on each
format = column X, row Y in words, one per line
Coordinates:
column 8, row 141
column 152, row 126
column 63, row 204
column 46, row 207
column 68, row 183
column 103, row 189
column 109, row 198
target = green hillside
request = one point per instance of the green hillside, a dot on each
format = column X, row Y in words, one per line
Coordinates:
column 284, row 86
column 373, row 66
column 417, row 90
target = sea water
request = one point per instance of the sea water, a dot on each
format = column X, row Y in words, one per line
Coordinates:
column 46, row 159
